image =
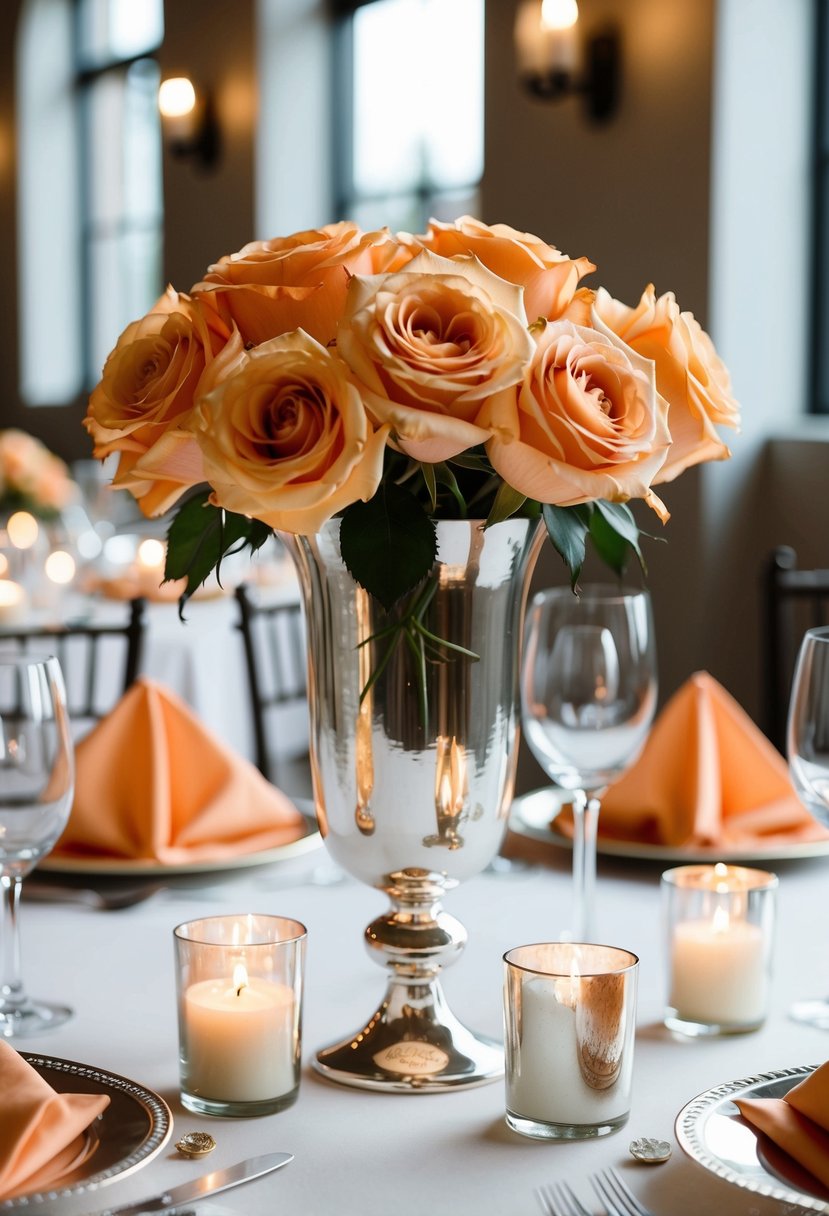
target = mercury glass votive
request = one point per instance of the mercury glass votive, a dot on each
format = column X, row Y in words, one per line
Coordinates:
column 569, row 1022
column 719, row 923
column 239, row 984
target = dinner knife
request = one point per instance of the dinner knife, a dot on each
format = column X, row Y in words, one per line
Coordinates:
column 208, row 1184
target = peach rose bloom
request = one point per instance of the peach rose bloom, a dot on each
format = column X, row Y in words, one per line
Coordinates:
column 689, row 374
column 430, row 345
column 587, row 423
column 147, row 389
column 299, row 281
column 286, row 438
column 549, row 278
column 27, row 466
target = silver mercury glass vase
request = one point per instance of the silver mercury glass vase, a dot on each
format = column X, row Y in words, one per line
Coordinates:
column 413, row 767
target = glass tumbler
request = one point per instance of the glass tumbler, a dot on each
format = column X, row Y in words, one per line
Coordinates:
column 569, row 1022
column 719, row 923
column 239, row 983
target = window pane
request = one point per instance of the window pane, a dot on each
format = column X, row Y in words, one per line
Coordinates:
column 142, row 142
column 118, row 29
column 420, row 121
column 124, row 275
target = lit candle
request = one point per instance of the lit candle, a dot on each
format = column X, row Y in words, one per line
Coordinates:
column 239, row 1037
column 569, row 1038
column 719, row 945
column 59, row 567
column 13, row 602
column 718, row 971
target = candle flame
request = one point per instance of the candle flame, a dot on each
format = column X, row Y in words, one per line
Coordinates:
column 721, row 920
column 240, row 978
column 720, row 871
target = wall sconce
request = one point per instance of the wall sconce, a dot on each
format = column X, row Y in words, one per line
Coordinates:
column 548, row 48
column 188, row 120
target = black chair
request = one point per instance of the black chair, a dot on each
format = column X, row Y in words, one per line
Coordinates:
column 99, row 661
column 794, row 601
column 274, row 640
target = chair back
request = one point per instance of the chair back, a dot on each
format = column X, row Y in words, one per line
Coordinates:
column 99, row 661
column 273, row 635
column 795, row 600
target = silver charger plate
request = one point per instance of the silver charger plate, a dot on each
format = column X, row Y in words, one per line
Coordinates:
column 132, row 1130
column 530, row 816
column 712, row 1132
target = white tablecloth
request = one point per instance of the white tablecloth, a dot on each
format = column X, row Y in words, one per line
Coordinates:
column 367, row 1154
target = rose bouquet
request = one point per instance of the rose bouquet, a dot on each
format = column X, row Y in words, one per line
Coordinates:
column 31, row 477
column 392, row 380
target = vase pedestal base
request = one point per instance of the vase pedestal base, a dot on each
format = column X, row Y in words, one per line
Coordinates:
column 413, row 1044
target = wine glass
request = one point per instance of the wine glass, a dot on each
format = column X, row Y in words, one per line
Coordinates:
column 37, row 780
column 588, row 693
column 807, row 741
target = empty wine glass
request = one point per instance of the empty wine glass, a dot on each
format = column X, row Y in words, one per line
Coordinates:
column 588, row 693
column 37, row 780
column 808, row 750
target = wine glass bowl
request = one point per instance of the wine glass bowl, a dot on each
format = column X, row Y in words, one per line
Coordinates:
column 36, row 791
column 588, row 694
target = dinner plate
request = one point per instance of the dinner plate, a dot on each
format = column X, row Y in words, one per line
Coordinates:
column 530, row 816
column 132, row 1130
column 712, row 1132
column 113, row 867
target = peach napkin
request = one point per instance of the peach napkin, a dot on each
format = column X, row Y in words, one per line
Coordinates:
column 153, row 784
column 41, row 1131
column 707, row 776
column 798, row 1123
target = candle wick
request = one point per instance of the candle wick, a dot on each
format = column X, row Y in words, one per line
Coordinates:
column 239, row 989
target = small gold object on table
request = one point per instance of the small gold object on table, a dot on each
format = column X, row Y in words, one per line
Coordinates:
column 196, row 1144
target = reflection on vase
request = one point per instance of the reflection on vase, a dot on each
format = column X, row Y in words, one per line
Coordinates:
column 413, row 770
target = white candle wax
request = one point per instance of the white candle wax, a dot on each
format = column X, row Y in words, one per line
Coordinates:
column 239, row 1041
column 13, row 602
column 718, row 973
column 547, row 1083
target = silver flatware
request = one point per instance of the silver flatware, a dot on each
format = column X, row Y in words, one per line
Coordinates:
column 208, row 1184
column 557, row 1199
column 88, row 897
column 616, row 1195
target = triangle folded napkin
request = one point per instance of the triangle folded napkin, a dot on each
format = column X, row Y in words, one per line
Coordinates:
column 153, row 784
column 797, row 1123
column 707, row 776
column 41, row 1131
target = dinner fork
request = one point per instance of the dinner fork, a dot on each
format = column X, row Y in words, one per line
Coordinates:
column 616, row 1195
column 557, row 1199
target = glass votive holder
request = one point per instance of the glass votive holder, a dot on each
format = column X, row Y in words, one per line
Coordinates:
column 569, row 1023
column 239, row 984
column 719, row 923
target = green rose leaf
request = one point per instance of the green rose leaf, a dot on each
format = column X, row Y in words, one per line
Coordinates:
column 567, row 528
column 388, row 543
column 614, row 533
column 199, row 537
column 507, row 502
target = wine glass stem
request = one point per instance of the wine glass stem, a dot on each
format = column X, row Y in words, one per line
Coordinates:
column 12, row 996
column 585, row 825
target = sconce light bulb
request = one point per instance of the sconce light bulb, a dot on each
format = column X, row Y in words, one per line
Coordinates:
column 176, row 97
column 558, row 14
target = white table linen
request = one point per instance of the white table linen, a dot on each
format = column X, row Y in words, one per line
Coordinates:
column 369, row 1154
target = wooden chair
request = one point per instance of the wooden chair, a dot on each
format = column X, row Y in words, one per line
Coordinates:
column 274, row 640
column 794, row 601
column 99, row 661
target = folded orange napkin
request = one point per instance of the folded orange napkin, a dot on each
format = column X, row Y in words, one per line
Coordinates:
column 707, row 776
column 41, row 1131
column 798, row 1123
column 154, row 784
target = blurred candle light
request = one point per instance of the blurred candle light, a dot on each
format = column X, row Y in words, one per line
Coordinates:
column 13, row 602
column 151, row 555
column 23, row 530
column 60, row 567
